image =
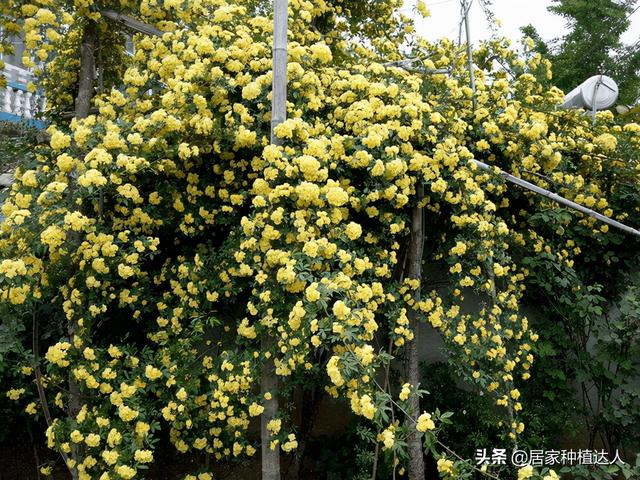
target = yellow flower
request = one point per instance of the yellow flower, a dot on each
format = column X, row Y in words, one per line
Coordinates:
column 114, row 351
column 255, row 409
column 340, row 310
column 114, row 437
column 142, row 429
column 422, row 8
column 125, row 472
column 152, row 373
column 57, row 354
column 525, row 472
column 91, row 178
column 125, row 271
column 607, row 142
column 445, row 466
column 143, row 456
column 28, row 178
column 126, row 413
column 459, row 249
column 92, row 440
column 367, row 408
column 312, row 292
column 290, row 444
column 110, row 456
column 310, row 167
column 425, row 423
column 53, row 236
column 251, row 91
column 334, row 372
column 274, row 426
column 13, row 268
column 353, row 231
column 59, row 141
column 365, row 354
column 336, row 196
column 76, row 436
column 14, row 394
column 405, row 391
column 499, row 270
column 387, row 437
column 181, row 395
column 321, row 52
column 245, row 330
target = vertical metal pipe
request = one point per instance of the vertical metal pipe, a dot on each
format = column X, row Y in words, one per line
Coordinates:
column 472, row 74
column 279, row 92
column 269, row 379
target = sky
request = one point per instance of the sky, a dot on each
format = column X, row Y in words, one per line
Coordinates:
column 513, row 14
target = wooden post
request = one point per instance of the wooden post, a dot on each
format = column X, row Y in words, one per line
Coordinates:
column 269, row 379
column 82, row 108
column 414, row 261
column 87, row 69
column 269, row 384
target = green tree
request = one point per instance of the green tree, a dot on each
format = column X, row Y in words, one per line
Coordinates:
column 593, row 45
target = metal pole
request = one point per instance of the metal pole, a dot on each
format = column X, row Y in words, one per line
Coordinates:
column 132, row 23
column 595, row 100
column 269, row 378
column 472, row 75
column 546, row 193
column 279, row 100
column 557, row 198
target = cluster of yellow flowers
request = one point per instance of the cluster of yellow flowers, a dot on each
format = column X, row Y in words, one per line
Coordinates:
column 168, row 215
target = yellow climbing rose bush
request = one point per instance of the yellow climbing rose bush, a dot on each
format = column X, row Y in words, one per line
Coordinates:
column 173, row 250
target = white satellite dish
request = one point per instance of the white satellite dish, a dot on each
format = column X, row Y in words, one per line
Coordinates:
column 597, row 93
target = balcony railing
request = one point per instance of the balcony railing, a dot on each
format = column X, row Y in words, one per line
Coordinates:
column 17, row 104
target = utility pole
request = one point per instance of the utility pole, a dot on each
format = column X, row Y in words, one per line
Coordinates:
column 269, row 379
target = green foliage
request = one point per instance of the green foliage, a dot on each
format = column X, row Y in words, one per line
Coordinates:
column 596, row 342
column 626, row 471
column 17, row 141
column 349, row 458
column 475, row 417
column 593, row 45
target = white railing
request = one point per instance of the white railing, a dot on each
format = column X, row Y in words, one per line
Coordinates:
column 17, row 74
column 16, row 102
column 21, row 103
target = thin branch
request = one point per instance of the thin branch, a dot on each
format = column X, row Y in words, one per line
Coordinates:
column 415, row 422
column 35, row 346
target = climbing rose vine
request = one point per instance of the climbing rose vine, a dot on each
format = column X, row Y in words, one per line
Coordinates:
column 171, row 249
